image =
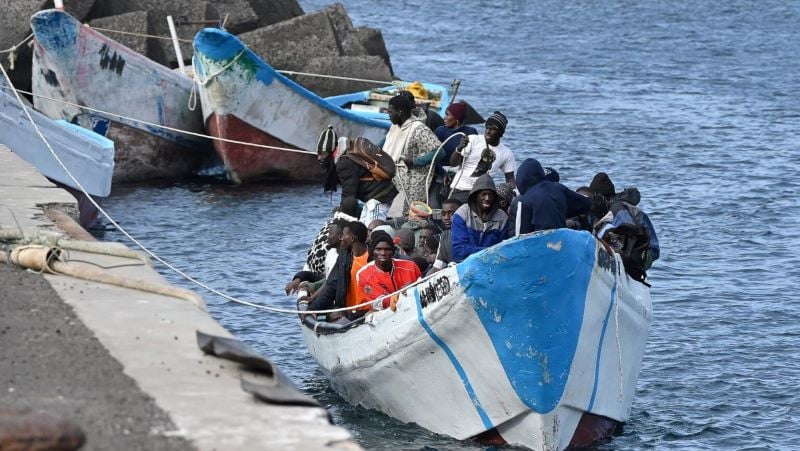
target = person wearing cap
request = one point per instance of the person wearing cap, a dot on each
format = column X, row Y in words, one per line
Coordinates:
column 408, row 137
column 384, row 275
column 543, row 204
column 481, row 154
column 480, row 223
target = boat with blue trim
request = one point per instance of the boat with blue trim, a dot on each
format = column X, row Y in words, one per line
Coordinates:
column 536, row 342
column 246, row 101
column 75, row 66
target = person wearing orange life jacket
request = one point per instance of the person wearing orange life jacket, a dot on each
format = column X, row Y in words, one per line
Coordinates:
column 385, row 274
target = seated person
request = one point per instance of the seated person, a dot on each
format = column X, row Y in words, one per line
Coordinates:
column 543, row 204
column 445, row 251
column 341, row 287
column 480, row 222
column 385, row 274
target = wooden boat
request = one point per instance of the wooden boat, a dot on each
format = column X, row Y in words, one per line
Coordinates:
column 535, row 342
column 76, row 64
column 244, row 99
column 374, row 102
column 88, row 156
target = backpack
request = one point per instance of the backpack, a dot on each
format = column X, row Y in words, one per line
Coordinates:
column 372, row 158
column 632, row 238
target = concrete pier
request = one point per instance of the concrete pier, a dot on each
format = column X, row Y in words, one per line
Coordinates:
column 124, row 364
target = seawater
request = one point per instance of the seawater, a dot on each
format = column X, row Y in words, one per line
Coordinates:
column 697, row 103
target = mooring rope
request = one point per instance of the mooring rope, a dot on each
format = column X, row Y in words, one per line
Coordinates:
column 151, row 253
column 12, row 52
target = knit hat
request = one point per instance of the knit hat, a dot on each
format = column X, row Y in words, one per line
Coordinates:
column 602, row 184
column 458, row 110
column 379, row 236
column 505, row 191
column 551, row 175
column 386, row 228
column 499, row 120
column 327, row 140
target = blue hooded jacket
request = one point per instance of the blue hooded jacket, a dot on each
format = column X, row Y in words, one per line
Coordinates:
column 542, row 204
column 469, row 233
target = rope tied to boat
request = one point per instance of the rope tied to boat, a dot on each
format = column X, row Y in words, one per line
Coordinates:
column 227, row 66
column 12, row 52
column 161, row 126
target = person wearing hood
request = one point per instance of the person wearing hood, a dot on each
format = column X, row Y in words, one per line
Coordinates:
column 408, row 137
column 543, row 204
column 480, row 223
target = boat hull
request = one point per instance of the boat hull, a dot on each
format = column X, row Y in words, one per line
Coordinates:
column 246, row 100
column 87, row 156
column 525, row 339
column 75, row 65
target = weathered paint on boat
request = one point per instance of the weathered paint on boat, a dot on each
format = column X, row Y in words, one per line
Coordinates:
column 87, row 155
column 76, row 64
column 524, row 339
column 245, row 99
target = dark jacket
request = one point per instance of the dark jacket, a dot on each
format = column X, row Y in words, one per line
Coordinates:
column 358, row 182
column 469, row 232
column 335, row 291
column 542, row 204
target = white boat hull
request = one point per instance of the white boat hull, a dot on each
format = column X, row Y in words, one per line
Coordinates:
column 523, row 339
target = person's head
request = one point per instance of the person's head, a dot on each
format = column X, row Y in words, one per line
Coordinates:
column 399, row 109
column 430, row 249
column 382, row 249
column 425, row 234
column 449, row 208
column 335, row 233
column 483, row 197
column 602, row 184
column 353, row 232
column 326, row 145
column 455, row 114
column 505, row 194
column 529, row 174
column 495, row 128
column 406, row 240
column 375, row 223
column 551, row 175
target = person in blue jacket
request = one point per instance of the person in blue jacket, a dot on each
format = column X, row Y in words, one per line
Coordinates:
column 480, row 223
column 543, row 204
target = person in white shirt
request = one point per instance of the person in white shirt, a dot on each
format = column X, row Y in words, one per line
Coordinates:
column 476, row 155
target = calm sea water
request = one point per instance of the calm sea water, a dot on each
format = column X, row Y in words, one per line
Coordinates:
column 695, row 102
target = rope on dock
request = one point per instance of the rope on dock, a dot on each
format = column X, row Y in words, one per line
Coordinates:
column 151, row 253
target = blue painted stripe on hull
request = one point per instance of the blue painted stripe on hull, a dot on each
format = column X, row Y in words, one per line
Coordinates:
column 530, row 295
column 487, row 423
column 600, row 344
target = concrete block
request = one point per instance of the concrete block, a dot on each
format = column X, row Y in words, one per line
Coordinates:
column 343, row 28
column 270, row 12
column 289, row 45
column 372, row 41
column 366, row 67
column 78, row 8
column 15, row 25
column 241, row 17
column 133, row 22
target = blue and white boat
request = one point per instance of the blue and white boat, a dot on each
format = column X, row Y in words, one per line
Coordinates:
column 133, row 100
column 535, row 342
column 246, row 101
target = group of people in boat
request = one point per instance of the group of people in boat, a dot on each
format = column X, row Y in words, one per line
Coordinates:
column 426, row 198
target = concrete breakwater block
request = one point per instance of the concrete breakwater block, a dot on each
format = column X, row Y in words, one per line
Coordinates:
column 365, row 67
column 134, row 22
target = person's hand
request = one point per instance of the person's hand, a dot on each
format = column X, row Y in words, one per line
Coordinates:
column 408, row 160
column 291, row 287
column 303, row 300
column 462, row 144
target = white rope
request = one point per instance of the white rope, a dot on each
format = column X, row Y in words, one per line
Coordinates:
column 215, row 74
column 148, row 251
column 433, row 164
column 13, row 48
column 186, row 132
column 337, row 77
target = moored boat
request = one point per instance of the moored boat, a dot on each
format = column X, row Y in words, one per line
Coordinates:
column 537, row 342
column 75, row 64
column 374, row 102
column 88, row 156
column 246, row 100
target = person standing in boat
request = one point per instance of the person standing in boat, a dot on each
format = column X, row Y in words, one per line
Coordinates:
column 385, row 274
column 408, row 137
column 341, row 287
column 543, row 204
column 480, row 223
column 481, row 154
